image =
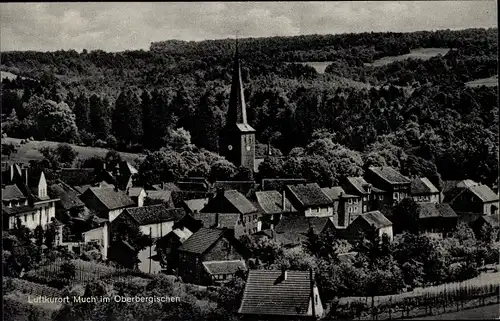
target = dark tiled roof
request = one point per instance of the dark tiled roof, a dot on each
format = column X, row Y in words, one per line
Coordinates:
column 446, row 186
column 309, row 195
column 242, row 204
column 389, row 174
column 155, row 214
column 196, row 205
column 225, row 220
column 224, row 267
column 271, row 202
column 11, row 192
column 82, row 188
column 178, row 197
column 78, row 176
column 202, row 240
column 110, row 198
column 484, row 193
column 375, row 219
column 301, row 224
column 266, row 293
column 468, row 218
column 359, row 183
column 68, row 197
column 243, row 187
column 279, row 184
column 422, row 185
column 335, row 192
column 427, row 210
column 166, row 187
column 452, row 193
column 208, row 220
column 192, row 186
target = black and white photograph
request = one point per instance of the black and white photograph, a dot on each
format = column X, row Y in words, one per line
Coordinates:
column 250, row 161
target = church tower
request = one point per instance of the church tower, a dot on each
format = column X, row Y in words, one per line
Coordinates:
column 237, row 138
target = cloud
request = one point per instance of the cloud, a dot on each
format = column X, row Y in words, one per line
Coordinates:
column 128, row 26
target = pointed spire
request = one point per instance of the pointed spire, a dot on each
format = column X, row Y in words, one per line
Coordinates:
column 237, row 113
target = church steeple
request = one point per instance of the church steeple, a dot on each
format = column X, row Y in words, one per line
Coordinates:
column 237, row 113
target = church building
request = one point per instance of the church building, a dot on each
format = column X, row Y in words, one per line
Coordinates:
column 237, row 138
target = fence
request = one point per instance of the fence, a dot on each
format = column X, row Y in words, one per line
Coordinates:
column 84, row 272
column 455, row 299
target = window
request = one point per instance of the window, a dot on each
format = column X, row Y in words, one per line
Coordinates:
column 350, row 201
column 355, row 208
column 381, row 197
column 33, row 217
column 350, row 209
column 396, row 196
column 25, row 218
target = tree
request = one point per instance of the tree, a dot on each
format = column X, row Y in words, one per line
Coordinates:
column 82, row 113
column 56, row 122
column 68, row 270
column 406, row 216
column 127, row 118
column 230, row 294
column 179, row 140
column 38, row 233
column 271, row 167
column 99, row 115
column 222, row 170
column 50, row 236
column 112, row 159
column 95, row 162
column 243, row 173
column 61, row 156
column 322, row 246
column 132, row 234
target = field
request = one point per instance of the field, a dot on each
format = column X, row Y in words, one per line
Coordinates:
column 483, row 279
column 488, row 82
column 7, row 75
column 320, row 66
column 422, row 53
column 30, row 151
column 488, row 312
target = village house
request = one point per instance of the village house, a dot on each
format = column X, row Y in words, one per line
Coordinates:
column 69, row 205
column 372, row 198
column 485, row 223
column 422, row 190
column 167, row 247
column 273, row 204
column 206, row 245
column 370, row 222
column 280, row 295
column 195, row 205
column 25, row 198
column 137, row 194
column 309, row 200
column 436, row 219
column 233, row 202
column 473, row 199
column 293, row 230
column 154, row 220
column 390, row 180
column 223, row 271
column 231, row 221
column 346, row 207
column 99, row 236
column 107, row 203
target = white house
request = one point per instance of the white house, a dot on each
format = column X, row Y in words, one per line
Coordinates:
column 310, row 200
column 108, row 203
column 99, row 235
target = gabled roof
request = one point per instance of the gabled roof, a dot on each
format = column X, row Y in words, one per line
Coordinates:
column 422, row 185
column 484, row 193
column 389, row 174
column 335, row 192
column 427, row 210
column 196, row 205
column 309, row 195
column 224, row 267
column 202, row 240
column 166, row 187
column 109, row 197
column 449, row 185
column 375, row 219
column 226, row 220
column 236, row 199
column 155, row 214
column 78, row 176
column 279, row 184
column 301, row 224
column 359, row 183
column 11, row 192
column 178, row 197
column 267, row 293
column 271, row 202
column 192, row 186
column 68, row 197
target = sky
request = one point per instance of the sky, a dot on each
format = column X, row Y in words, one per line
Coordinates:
column 129, row 26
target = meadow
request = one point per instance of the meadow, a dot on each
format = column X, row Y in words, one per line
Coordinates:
column 488, row 82
column 31, row 151
column 421, row 53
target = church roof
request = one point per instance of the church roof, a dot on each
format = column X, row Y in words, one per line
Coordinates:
column 237, row 114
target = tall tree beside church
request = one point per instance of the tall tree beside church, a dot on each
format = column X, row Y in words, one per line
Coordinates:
column 147, row 118
column 82, row 113
column 127, row 120
column 211, row 116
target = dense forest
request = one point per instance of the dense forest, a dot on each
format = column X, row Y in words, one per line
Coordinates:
column 413, row 114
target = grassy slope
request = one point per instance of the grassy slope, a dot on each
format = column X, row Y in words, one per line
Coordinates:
column 30, row 151
column 488, row 82
column 488, row 312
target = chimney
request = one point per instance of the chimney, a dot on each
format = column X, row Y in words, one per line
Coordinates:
column 25, row 175
column 269, row 149
column 368, row 188
column 162, row 185
column 284, row 273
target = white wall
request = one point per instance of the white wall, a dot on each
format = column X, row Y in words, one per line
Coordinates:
column 114, row 214
column 319, row 311
column 32, row 219
column 319, row 212
column 387, row 230
column 99, row 235
column 158, row 229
